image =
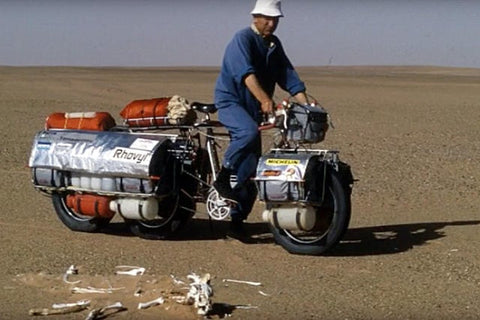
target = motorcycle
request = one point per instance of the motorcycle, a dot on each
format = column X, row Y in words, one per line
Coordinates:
column 154, row 168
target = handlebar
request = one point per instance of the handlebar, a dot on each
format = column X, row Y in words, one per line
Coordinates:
column 275, row 119
column 266, row 126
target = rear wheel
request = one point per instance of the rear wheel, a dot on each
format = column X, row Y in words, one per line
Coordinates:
column 173, row 213
column 332, row 219
column 73, row 220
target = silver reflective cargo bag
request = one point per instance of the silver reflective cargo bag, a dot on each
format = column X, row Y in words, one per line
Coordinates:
column 101, row 153
column 286, row 177
column 306, row 124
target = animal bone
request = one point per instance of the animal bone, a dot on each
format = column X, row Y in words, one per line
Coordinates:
column 134, row 271
column 237, row 306
column 138, row 292
column 100, row 313
column 228, row 309
column 245, row 306
column 152, row 303
column 245, row 282
column 176, row 281
column 69, row 305
column 179, row 299
column 200, row 293
column 94, row 290
column 56, row 311
column 71, row 270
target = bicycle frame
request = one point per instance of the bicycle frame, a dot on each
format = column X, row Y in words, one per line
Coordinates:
column 203, row 136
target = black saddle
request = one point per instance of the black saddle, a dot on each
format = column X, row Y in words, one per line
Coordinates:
column 204, row 107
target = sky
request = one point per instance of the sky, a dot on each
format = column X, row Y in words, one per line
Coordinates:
column 195, row 32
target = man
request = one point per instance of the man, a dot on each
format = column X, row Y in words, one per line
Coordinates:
column 254, row 62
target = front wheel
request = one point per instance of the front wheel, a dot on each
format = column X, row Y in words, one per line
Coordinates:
column 73, row 220
column 332, row 219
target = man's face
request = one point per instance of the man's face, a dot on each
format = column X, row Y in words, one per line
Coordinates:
column 265, row 25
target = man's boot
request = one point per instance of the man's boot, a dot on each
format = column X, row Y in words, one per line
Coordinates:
column 222, row 185
column 237, row 230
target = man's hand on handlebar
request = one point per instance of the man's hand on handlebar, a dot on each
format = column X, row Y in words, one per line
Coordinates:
column 267, row 106
column 301, row 98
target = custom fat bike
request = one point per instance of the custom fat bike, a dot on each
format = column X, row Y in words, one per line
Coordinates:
column 154, row 174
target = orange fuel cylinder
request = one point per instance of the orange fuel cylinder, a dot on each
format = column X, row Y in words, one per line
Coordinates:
column 90, row 205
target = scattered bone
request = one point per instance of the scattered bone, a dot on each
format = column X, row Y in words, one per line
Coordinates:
column 200, row 293
column 138, row 292
column 227, row 309
column 152, row 303
column 176, row 281
column 56, row 311
column 123, row 266
column 133, row 271
column 95, row 290
column 263, row 293
column 68, row 305
column 178, row 299
column 101, row 312
column 244, row 282
column 246, row 306
column 71, row 270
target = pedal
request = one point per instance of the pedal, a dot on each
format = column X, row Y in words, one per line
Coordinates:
column 218, row 208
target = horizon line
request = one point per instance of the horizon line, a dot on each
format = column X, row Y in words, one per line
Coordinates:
column 218, row 66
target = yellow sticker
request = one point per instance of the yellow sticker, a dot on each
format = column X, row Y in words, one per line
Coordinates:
column 282, row 162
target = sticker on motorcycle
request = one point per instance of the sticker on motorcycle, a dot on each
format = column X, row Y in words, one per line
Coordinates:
column 131, row 155
column 293, row 173
column 282, row 162
column 144, row 144
column 43, row 145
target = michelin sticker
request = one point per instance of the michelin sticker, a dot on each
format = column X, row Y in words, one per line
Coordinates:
column 282, row 162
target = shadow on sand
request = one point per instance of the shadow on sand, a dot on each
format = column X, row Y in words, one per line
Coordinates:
column 201, row 230
column 392, row 239
column 364, row 241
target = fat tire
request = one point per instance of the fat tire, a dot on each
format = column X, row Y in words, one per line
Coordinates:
column 182, row 209
column 339, row 225
column 177, row 220
column 74, row 221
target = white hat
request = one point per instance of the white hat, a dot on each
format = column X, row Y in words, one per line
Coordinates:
column 269, row 8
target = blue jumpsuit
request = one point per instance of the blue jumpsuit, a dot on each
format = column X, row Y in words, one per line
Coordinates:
column 239, row 111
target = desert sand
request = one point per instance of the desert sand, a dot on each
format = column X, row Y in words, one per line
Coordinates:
column 411, row 135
